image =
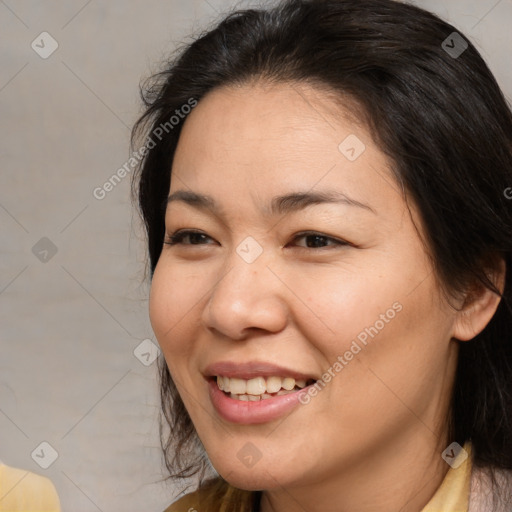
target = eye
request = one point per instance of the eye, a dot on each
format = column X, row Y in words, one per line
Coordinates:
column 310, row 239
column 314, row 240
column 187, row 237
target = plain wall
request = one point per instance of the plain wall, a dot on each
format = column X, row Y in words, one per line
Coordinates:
column 69, row 324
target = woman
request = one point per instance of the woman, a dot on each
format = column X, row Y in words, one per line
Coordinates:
column 324, row 191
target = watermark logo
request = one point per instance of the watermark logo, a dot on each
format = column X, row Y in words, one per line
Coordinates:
column 352, row 147
column 44, row 250
column 146, row 352
column 454, row 45
column 454, row 455
column 44, row 455
column 44, row 45
column 249, row 455
column 249, row 249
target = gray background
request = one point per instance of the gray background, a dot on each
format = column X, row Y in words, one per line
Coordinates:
column 69, row 324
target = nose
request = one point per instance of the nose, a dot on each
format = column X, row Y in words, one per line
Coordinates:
column 246, row 299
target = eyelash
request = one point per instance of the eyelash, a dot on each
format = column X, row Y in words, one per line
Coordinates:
column 177, row 238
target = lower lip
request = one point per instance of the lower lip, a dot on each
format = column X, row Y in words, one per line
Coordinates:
column 246, row 412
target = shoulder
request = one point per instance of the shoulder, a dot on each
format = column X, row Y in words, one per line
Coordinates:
column 188, row 503
column 21, row 489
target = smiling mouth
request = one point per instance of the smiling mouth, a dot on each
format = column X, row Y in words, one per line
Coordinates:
column 259, row 388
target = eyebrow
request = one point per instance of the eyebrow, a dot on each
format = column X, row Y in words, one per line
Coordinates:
column 279, row 205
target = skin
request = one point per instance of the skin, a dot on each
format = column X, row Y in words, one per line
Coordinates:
column 375, row 433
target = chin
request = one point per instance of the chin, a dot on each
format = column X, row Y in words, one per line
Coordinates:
column 251, row 480
column 263, row 475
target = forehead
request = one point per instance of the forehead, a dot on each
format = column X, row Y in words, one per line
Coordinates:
column 277, row 138
column 284, row 118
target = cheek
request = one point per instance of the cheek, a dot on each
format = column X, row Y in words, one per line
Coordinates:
column 378, row 318
column 395, row 354
column 171, row 301
column 338, row 306
column 171, row 309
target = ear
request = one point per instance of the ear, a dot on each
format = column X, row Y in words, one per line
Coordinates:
column 479, row 305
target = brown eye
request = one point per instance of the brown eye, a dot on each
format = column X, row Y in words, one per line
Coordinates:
column 317, row 240
column 188, row 237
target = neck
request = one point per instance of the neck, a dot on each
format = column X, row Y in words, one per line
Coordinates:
column 402, row 476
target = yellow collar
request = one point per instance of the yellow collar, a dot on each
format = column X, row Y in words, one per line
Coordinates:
column 453, row 493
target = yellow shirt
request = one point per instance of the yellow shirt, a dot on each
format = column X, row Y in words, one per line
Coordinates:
column 453, row 493
column 23, row 491
column 451, row 496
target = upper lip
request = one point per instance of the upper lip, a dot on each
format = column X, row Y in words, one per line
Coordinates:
column 251, row 369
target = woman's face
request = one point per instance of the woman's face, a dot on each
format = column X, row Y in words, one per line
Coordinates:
column 305, row 264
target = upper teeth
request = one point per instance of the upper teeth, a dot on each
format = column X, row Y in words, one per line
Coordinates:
column 258, row 385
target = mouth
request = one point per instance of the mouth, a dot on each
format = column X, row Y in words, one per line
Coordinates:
column 254, row 392
column 259, row 388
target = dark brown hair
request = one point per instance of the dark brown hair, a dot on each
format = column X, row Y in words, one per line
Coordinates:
column 441, row 119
